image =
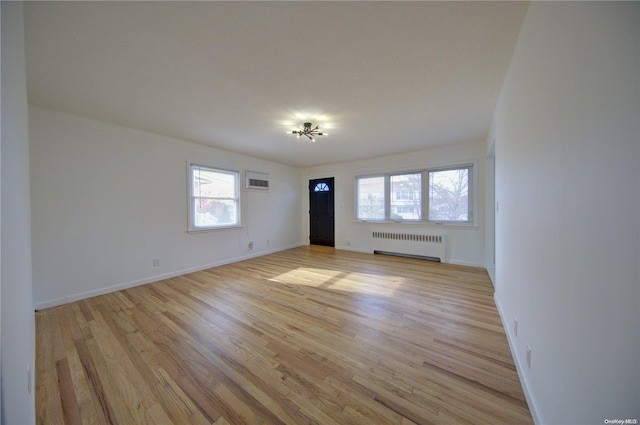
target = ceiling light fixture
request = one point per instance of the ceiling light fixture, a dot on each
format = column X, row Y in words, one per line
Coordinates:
column 309, row 131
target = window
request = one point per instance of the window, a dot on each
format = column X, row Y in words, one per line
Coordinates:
column 370, row 195
column 406, row 201
column 214, row 198
column 449, row 195
column 321, row 187
column 399, row 196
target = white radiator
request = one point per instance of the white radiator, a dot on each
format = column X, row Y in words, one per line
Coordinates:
column 430, row 246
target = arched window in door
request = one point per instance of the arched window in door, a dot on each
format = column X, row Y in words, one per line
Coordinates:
column 321, row 187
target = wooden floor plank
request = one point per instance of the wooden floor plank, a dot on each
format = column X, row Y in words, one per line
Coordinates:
column 308, row 335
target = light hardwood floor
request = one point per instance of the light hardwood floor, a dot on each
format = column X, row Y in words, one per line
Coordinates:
column 306, row 336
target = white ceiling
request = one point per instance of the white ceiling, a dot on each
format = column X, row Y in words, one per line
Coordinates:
column 381, row 77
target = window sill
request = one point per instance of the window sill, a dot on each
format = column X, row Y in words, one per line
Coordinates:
column 214, row 229
column 419, row 223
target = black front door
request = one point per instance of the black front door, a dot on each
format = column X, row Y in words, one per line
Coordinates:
column 321, row 223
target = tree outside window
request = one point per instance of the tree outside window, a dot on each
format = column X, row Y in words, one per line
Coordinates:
column 449, row 195
column 398, row 197
column 370, row 198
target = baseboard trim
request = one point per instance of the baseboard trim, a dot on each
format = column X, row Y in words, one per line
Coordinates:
column 350, row 248
column 536, row 415
column 464, row 263
column 125, row 285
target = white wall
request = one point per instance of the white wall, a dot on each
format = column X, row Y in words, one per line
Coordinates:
column 18, row 326
column 107, row 200
column 465, row 244
column 567, row 137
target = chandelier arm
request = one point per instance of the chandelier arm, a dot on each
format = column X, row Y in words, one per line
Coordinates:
column 308, row 131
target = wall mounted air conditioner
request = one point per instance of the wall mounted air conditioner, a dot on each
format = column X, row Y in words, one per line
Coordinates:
column 255, row 180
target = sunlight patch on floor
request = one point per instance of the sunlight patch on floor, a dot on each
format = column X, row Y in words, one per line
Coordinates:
column 362, row 283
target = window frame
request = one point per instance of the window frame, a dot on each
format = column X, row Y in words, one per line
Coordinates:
column 470, row 193
column 191, row 210
column 424, row 207
column 389, row 195
column 357, row 195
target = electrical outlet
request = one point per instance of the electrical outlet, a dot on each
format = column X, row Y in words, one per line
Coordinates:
column 528, row 356
column 156, row 262
column 515, row 326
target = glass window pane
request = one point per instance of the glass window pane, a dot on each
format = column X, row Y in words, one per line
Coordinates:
column 215, row 198
column 406, row 199
column 449, row 195
column 202, row 216
column 225, row 212
column 321, row 187
column 370, row 198
column 212, row 183
column 213, row 213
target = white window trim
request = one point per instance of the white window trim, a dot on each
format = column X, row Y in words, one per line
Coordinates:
column 387, row 194
column 386, row 198
column 191, row 228
column 472, row 195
